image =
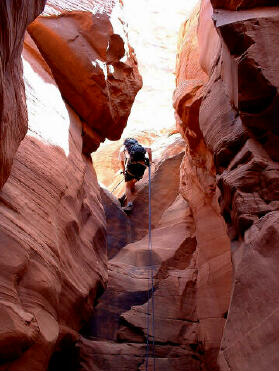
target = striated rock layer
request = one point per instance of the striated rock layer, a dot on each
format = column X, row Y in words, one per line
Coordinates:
column 52, row 221
column 229, row 120
column 198, row 187
column 13, row 115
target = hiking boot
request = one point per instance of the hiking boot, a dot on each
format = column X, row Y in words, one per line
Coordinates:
column 122, row 200
column 128, row 208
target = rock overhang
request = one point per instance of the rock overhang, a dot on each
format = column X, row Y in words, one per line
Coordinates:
column 86, row 47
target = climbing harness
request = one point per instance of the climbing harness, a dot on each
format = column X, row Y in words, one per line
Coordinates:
column 150, row 279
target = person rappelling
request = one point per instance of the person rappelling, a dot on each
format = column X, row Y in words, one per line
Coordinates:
column 132, row 156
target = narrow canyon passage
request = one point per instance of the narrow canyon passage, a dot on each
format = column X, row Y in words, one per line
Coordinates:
column 197, row 83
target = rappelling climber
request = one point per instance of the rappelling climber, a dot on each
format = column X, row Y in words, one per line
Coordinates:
column 132, row 156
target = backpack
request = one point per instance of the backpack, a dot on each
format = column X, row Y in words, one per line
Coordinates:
column 137, row 163
column 137, row 153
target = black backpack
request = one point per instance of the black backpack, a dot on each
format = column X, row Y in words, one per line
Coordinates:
column 137, row 153
column 137, row 162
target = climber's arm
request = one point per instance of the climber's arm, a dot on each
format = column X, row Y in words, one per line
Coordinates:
column 148, row 150
column 121, row 158
column 123, row 166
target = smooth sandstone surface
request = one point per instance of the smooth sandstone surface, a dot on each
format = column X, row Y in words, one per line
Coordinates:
column 52, row 224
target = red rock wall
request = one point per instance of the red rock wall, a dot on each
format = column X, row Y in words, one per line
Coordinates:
column 13, row 115
column 52, row 222
column 230, row 126
column 52, row 228
column 198, row 187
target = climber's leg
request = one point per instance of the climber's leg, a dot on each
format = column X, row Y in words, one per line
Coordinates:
column 129, row 193
column 122, row 200
column 130, row 189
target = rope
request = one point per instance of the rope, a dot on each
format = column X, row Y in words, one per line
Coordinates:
column 152, row 283
column 117, row 185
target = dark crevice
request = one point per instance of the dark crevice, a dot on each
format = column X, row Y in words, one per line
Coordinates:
column 66, row 355
column 225, row 155
column 236, row 38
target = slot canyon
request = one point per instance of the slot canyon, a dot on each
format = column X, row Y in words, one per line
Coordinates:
column 80, row 287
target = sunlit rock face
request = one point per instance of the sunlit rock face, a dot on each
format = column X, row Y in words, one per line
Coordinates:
column 229, row 123
column 87, row 50
column 14, row 18
column 52, row 221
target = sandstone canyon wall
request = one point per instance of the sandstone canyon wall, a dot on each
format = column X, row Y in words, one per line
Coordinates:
column 226, row 104
column 75, row 281
column 52, row 223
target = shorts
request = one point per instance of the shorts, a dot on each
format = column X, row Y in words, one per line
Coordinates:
column 128, row 177
column 134, row 171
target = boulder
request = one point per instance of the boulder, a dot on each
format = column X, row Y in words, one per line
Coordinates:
column 95, row 68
